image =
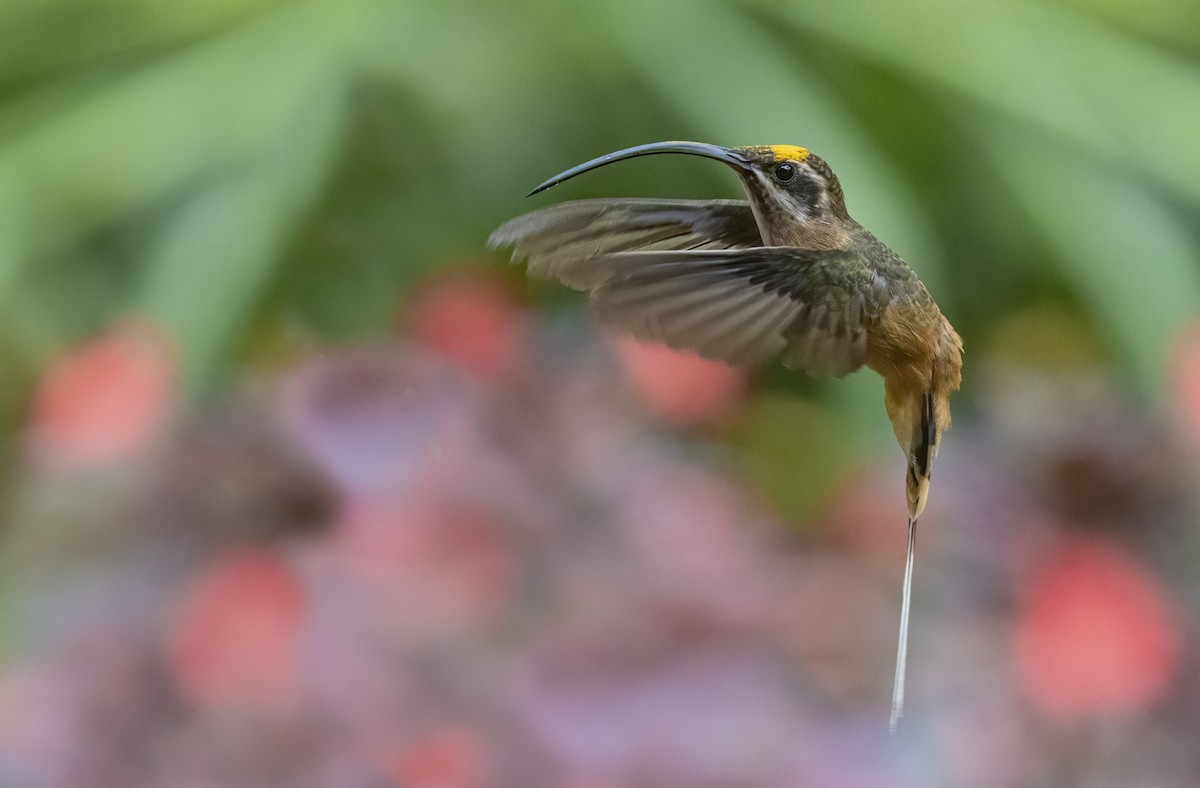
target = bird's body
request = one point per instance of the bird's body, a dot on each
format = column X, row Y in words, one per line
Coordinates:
column 787, row 271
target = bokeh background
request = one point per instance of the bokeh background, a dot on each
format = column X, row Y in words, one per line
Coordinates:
column 304, row 487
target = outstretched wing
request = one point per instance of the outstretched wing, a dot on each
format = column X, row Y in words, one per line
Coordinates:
column 559, row 239
column 745, row 305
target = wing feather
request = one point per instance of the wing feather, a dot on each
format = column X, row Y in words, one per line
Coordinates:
column 560, row 241
column 694, row 275
column 745, row 305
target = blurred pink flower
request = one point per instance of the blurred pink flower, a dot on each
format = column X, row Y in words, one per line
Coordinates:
column 702, row 545
column 866, row 517
column 40, row 719
column 1094, row 633
column 425, row 568
column 1185, row 378
column 472, row 318
column 102, row 401
column 451, row 757
column 632, row 703
column 233, row 641
column 681, row 388
column 836, row 621
column 374, row 420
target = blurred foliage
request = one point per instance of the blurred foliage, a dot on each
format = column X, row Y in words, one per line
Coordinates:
column 210, row 163
column 263, row 177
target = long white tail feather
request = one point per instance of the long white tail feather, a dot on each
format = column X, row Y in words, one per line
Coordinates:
column 902, row 648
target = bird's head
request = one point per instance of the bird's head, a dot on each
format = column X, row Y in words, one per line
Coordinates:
column 797, row 200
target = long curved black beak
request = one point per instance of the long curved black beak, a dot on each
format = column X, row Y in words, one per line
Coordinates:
column 730, row 157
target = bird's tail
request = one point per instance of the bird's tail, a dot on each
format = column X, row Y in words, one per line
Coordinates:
column 902, row 647
column 914, row 416
column 922, row 447
column 925, row 439
column 919, row 418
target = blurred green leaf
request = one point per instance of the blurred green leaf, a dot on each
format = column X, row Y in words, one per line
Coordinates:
column 1124, row 250
column 39, row 37
column 793, row 450
column 1045, row 65
column 150, row 133
column 215, row 256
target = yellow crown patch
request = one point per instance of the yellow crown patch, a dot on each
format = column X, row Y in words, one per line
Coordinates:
column 789, row 152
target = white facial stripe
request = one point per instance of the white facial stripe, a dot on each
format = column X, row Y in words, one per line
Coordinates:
column 791, row 203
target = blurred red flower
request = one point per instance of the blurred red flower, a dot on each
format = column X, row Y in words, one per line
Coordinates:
column 1094, row 633
column 681, row 388
column 102, row 400
column 233, row 641
column 472, row 318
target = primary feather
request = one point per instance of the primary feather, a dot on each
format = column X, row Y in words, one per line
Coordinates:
column 694, row 276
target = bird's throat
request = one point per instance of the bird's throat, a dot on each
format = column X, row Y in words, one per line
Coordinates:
column 810, row 235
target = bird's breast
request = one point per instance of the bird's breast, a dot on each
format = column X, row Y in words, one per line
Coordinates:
column 902, row 344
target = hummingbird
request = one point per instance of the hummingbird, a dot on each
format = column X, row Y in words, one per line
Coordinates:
column 786, row 272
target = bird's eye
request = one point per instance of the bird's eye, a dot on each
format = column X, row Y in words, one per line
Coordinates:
column 784, row 172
